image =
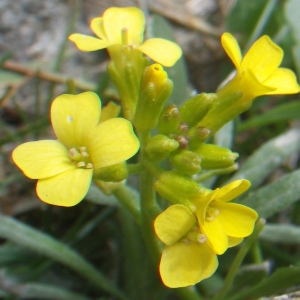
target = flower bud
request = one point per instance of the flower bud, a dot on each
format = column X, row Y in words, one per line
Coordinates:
column 186, row 162
column 169, row 119
column 197, row 136
column 160, row 146
column 115, row 173
column 194, row 109
column 155, row 90
column 178, row 189
column 215, row 157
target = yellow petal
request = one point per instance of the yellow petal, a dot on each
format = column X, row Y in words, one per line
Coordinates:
column 284, row 80
column 233, row 241
column 111, row 110
column 42, row 159
column 237, row 220
column 66, row 189
column 73, row 117
column 216, row 236
column 162, row 51
column 117, row 19
column 263, row 58
column 202, row 204
column 173, row 223
column 88, row 43
column 186, row 264
column 111, row 142
column 232, row 49
column 233, row 190
column 97, row 27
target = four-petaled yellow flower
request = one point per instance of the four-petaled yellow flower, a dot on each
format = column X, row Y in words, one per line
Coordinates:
column 187, row 258
column 258, row 73
column 225, row 224
column 125, row 26
column 64, row 167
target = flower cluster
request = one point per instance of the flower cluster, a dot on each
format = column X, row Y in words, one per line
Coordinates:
column 93, row 145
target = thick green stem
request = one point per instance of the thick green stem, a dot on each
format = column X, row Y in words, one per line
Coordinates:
column 239, row 259
column 129, row 199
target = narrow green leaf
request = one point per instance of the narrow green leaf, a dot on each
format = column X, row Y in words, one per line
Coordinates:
column 10, row 78
column 286, row 234
column 275, row 197
column 268, row 157
column 44, row 244
column 279, row 281
column 284, row 112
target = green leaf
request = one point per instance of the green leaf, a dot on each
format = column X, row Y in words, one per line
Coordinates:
column 284, row 112
column 160, row 28
column 285, row 234
column 275, row 197
column 291, row 10
column 44, row 244
column 279, row 281
column 269, row 157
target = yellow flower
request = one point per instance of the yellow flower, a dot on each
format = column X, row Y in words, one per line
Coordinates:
column 258, row 73
column 125, row 26
column 225, row 224
column 64, row 167
column 187, row 258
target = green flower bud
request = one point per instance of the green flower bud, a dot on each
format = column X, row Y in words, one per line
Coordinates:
column 197, row 136
column 215, row 157
column 115, row 173
column 178, row 189
column 160, row 146
column 186, row 162
column 194, row 109
column 169, row 119
column 155, row 90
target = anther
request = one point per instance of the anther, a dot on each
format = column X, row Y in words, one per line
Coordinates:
column 201, row 238
column 89, row 166
column 84, row 154
column 80, row 164
column 82, row 149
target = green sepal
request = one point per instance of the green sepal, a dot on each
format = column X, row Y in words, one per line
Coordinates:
column 114, row 173
column 156, row 88
column 169, row 119
column 160, row 146
column 178, row 188
column 194, row 109
column 225, row 108
column 125, row 70
column 186, row 162
column 215, row 157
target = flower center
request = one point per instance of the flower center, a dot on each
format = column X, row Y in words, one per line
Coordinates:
column 81, row 158
column 194, row 235
column 211, row 213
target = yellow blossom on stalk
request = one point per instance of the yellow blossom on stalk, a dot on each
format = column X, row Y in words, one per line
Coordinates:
column 258, row 73
column 64, row 167
column 225, row 224
column 187, row 258
column 125, row 26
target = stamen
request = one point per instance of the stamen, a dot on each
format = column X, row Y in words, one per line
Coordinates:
column 210, row 218
column 201, row 238
column 125, row 39
column 74, row 153
column 85, row 154
column 89, row 166
column 82, row 149
column 80, row 164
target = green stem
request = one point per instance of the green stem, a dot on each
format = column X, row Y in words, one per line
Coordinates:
column 148, row 204
column 129, row 199
column 256, row 253
column 134, row 168
column 187, row 294
column 152, row 166
column 239, row 259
